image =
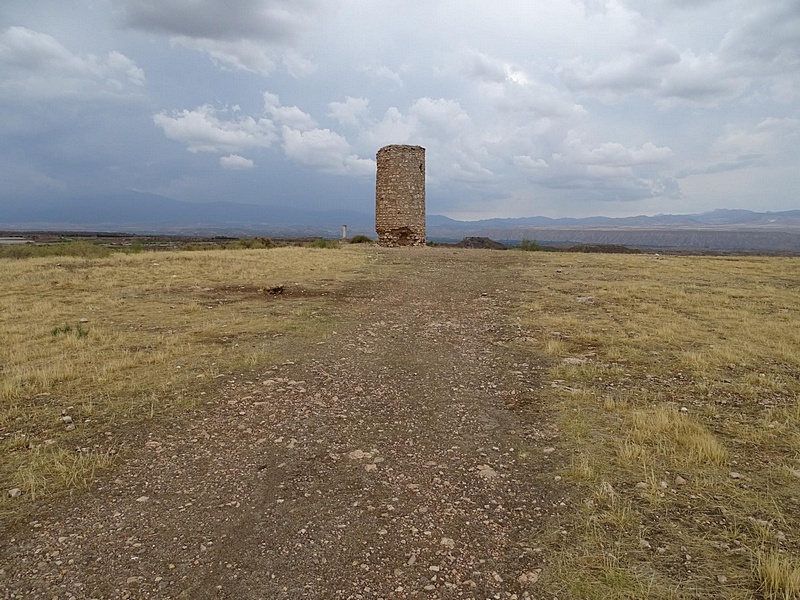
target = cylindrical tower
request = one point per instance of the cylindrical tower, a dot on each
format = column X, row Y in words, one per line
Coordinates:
column 400, row 196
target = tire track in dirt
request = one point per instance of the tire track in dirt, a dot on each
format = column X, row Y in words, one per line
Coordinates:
column 393, row 460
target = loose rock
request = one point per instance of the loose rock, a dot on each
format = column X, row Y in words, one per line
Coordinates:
column 486, row 472
column 529, row 577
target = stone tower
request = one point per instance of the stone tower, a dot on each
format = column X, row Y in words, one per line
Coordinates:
column 400, row 196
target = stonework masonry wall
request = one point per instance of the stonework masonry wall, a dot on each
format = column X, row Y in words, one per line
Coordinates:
column 400, row 196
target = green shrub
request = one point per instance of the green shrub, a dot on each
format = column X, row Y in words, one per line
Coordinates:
column 135, row 248
column 66, row 329
column 529, row 246
column 80, row 248
column 18, row 251
column 194, row 246
column 256, row 243
column 320, row 243
column 360, row 239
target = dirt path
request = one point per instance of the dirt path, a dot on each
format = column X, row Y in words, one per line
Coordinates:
column 405, row 456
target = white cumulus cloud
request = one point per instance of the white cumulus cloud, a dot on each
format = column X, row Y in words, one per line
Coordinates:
column 325, row 150
column 291, row 116
column 234, row 162
column 202, row 130
column 351, row 112
column 245, row 55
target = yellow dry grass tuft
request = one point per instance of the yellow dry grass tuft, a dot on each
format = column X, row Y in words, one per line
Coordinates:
column 668, row 431
column 778, row 576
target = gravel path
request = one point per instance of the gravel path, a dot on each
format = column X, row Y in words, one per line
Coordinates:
column 404, row 457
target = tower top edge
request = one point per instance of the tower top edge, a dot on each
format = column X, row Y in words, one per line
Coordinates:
column 401, row 147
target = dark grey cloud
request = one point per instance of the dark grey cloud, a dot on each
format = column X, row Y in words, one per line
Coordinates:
column 770, row 34
column 639, row 69
column 741, row 162
column 277, row 21
column 484, row 69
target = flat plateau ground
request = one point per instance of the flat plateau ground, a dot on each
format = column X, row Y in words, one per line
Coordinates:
column 388, row 460
column 444, row 423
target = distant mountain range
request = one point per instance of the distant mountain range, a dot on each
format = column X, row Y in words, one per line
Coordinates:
column 141, row 212
column 723, row 229
column 717, row 218
column 138, row 212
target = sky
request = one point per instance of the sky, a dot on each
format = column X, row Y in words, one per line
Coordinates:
column 560, row 108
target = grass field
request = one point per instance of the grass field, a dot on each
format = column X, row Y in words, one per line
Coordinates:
column 678, row 382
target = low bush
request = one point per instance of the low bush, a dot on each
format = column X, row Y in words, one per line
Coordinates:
column 529, row 246
column 320, row 243
column 82, row 249
column 256, row 243
column 361, row 239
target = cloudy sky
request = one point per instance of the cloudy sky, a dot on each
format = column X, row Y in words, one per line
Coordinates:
column 546, row 107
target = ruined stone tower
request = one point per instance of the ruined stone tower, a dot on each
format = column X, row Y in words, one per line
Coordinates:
column 400, row 196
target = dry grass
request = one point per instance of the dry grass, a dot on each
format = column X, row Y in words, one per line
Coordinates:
column 126, row 338
column 681, row 402
column 681, row 440
column 779, row 576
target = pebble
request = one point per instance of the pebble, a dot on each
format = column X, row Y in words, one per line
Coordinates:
column 529, row 577
column 680, row 480
column 448, row 542
column 574, row 360
column 486, row 472
column 735, row 475
column 143, row 498
column 14, row 493
column 722, row 579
